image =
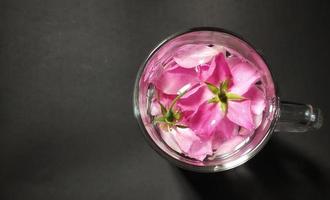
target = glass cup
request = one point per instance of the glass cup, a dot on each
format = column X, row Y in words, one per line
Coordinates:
column 277, row 115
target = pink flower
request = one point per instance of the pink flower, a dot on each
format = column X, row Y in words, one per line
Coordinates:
column 234, row 105
column 221, row 104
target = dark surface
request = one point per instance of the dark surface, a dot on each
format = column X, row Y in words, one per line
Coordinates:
column 67, row 70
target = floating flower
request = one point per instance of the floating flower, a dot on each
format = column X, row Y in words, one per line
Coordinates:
column 178, row 136
column 221, row 105
column 170, row 117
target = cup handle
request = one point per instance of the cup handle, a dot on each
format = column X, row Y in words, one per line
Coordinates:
column 296, row 117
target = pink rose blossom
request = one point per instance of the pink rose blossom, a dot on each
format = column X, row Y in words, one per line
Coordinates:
column 206, row 103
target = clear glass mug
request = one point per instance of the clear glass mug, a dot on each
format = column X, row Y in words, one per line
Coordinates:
column 277, row 116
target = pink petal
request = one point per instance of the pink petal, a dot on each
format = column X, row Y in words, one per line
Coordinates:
column 221, row 70
column 245, row 132
column 229, row 146
column 165, row 99
column 155, row 108
column 185, row 108
column 184, row 140
column 257, row 119
column 240, row 113
column 192, row 55
column 171, row 66
column 195, row 98
column 244, row 75
column 205, row 119
column 171, row 81
column 233, row 60
column 216, row 140
column 200, row 149
column 225, row 130
column 161, row 98
column 257, row 98
column 170, row 141
column 205, row 71
column 184, row 137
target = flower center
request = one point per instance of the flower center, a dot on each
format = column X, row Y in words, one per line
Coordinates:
column 170, row 117
column 223, row 97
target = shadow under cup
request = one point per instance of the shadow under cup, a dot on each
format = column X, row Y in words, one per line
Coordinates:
column 153, row 65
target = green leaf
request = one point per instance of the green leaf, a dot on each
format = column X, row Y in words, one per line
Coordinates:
column 214, row 100
column 177, row 115
column 212, row 88
column 224, row 85
column 181, row 126
column 234, row 97
column 160, row 119
column 224, row 107
column 163, row 109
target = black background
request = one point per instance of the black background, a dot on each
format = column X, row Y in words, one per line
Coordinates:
column 67, row 70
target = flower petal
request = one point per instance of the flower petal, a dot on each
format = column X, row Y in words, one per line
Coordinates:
column 221, row 71
column 240, row 113
column 184, row 108
column 205, row 71
column 171, row 81
column 194, row 99
column 257, row 119
column 257, row 98
column 184, row 137
column 233, row 60
column 244, row 75
column 169, row 139
column 171, row 66
column 229, row 146
column 162, row 98
column 245, row 132
column 205, row 119
column 200, row 149
column 192, row 55
column 184, row 140
column 155, row 108
column 225, row 130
